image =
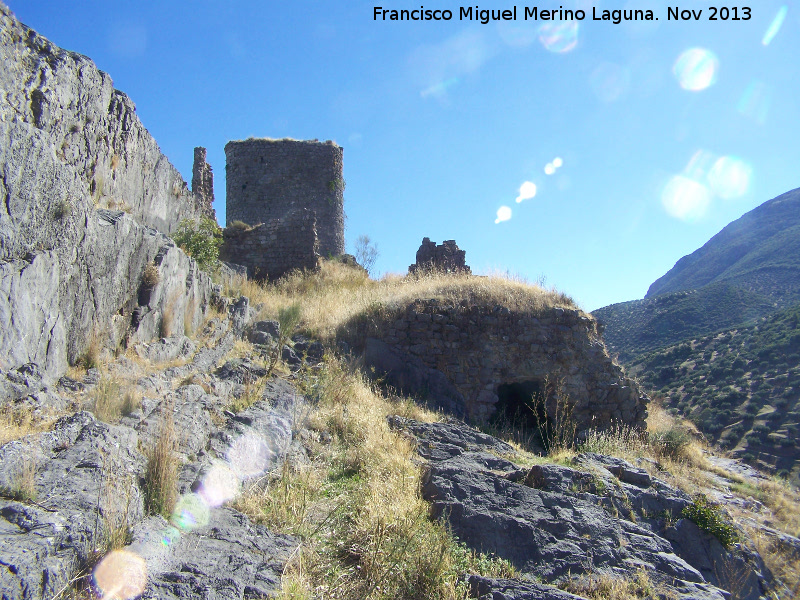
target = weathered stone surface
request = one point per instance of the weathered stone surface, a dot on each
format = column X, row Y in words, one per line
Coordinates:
column 554, row 522
column 446, row 258
column 411, row 376
column 72, row 152
column 227, row 558
column 86, row 475
column 484, row 588
column 484, row 350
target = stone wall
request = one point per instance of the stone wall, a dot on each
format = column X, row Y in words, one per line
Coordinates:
column 480, row 348
column 272, row 249
column 446, row 257
column 203, row 183
column 72, row 150
column 270, row 179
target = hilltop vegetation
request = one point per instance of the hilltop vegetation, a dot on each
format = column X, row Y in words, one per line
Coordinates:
column 740, row 386
column 642, row 326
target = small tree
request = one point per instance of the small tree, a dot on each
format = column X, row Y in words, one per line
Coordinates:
column 200, row 240
column 366, row 253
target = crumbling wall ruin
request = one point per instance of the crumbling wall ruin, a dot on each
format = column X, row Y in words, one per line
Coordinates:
column 272, row 249
column 446, row 257
column 203, row 183
column 481, row 350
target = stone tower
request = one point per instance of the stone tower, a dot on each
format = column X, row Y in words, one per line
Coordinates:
column 274, row 179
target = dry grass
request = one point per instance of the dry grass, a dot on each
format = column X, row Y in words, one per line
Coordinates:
column 168, row 315
column 18, row 422
column 161, row 475
column 609, row 587
column 336, row 294
column 22, row 486
column 151, row 275
column 113, row 398
column 366, row 529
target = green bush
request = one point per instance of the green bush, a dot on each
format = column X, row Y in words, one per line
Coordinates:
column 708, row 517
column 200, row 240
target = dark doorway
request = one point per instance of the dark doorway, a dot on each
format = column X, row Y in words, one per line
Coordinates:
column 521, row 404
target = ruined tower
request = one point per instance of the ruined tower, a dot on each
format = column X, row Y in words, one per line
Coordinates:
column 275, row 179
column 203, row 183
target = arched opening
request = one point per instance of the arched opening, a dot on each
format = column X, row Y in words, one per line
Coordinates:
column 521, row 404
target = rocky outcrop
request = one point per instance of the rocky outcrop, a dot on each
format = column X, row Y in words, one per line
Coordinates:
column 59, row 103
column 70, row 494
column 602, row 515
column 87, row 197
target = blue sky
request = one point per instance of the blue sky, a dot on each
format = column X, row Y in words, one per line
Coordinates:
column 664, row 131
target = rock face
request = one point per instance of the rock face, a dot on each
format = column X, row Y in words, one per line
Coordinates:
column 87, row 193
column 472, row 359
column 556, row 522
column 65, row 494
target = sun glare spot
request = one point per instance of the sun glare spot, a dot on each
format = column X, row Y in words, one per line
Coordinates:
column 219, row 485
column 558, row 162
column 696, row 69
column 755, row 101
column 503, row 214
column 121, row 575
column 190, row 512
column 609, row 81
column 559, row 37
column 775, row 26
column 526, row 191
column 730, row 177
column 549, row 169
column 685, row 199
column 250, row 456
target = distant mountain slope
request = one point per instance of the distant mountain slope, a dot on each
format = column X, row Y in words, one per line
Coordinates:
column 740, row 386
column 759, row 251
column 639, row 326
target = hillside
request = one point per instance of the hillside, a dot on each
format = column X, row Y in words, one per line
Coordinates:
column 741, row 386
column 641, row 326
column 760, row 251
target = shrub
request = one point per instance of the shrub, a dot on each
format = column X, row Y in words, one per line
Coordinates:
column 151, row 275
column 670, row 442
column 366, row 253
column 200, row 240
column 239, row 226
column 710, row 518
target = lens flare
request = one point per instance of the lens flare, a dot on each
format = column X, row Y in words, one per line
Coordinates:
column 170, row 536
column 685, row 199
column 526, row 191
column 503, row 214
column 438, row 90
column 558, row 162
column 250, row 456
column 730, row 177
column 219, row 485
column 559, row 37
column 775, row 26
column 696, row 69
column 755, row 101
column 121, row 575
column 609, row 81
column 549, row 169
column 190, row 512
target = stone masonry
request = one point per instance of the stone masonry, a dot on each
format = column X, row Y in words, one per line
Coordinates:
column 446, row 257
column 480, row 348
column 203, row 183
column 269, row 179
column 272, row 249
